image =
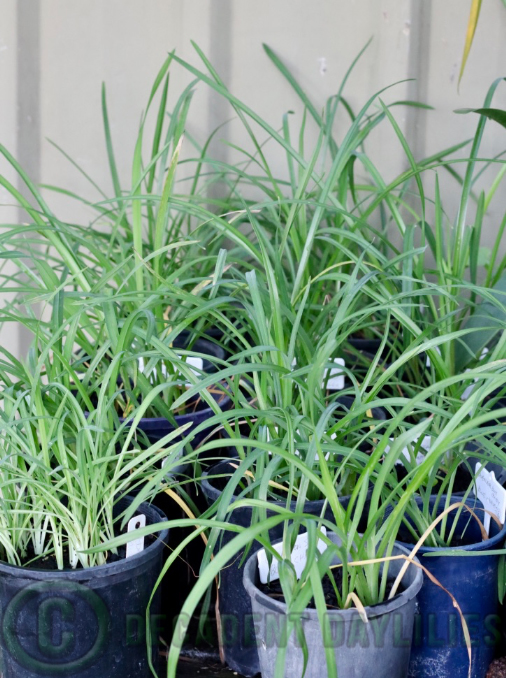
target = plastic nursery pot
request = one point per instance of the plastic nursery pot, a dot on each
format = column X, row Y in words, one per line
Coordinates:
column 218, row 334
column 235, row 608
column 204, row 346
column 347, row 403
column 379, row 648
column 368, row 350
column 155, row 428
column 439, row 648
column 84, row 623
column 369, row 346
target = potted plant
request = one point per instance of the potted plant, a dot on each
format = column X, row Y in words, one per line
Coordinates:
column 268, row 468
column 329, row 534
column 72, row 606
column 451, row 536
column 132, row 269
column 286, row 390
column 344, row 640
column 160, row 366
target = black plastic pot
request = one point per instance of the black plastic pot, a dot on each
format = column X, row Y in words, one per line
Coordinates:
column 438, row 645
column 235, row 607
column 370, row 346
column 155, row 428
column 377, row 649
column 346, row 402
column 218, row 334
column 85, row 623
column 204, row 346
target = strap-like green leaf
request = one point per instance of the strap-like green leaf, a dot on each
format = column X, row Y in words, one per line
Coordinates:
column 495, row 114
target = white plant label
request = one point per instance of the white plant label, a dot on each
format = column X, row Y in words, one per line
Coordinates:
column 335, row 376
column 277, row 433
column 467, row 391
column 136, row 545
column 197, row 365
column 420, row 456
column 298, row 558
column 165, row 460
column 428, row 362
column 491, row 494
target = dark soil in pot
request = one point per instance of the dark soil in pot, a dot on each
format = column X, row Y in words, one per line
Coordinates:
column 273, row 590
column 83, row 623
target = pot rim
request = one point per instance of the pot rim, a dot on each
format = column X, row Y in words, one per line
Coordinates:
column 478, row 546
column 97, row 571
column 182, row 418
column 378, row 610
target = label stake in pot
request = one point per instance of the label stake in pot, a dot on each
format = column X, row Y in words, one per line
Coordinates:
column 136, row 545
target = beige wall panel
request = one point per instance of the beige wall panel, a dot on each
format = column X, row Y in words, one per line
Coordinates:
column 124, row 42
column 318, row 42
column 487, row 62
column 120, row 42
column 8, row 72
column 9, row 334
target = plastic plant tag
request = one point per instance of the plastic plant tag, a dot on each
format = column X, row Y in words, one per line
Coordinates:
column 428, row 362
column 277, row 432
column 197, row 365
column 298, row 558
column 333, row 377
column 420, row 456
column 491, row 494
column 165, row 460
column 136, row 545
column 467, row 391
